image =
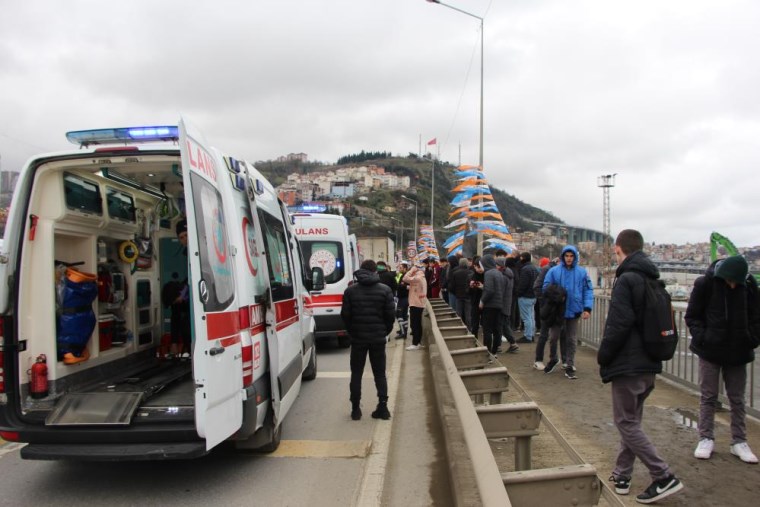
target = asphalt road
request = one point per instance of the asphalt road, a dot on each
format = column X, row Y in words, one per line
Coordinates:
column 320, row 462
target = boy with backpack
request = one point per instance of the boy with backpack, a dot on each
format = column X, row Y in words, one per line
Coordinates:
column 625, row 363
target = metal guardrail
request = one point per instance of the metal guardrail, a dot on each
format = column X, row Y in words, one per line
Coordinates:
column 683, row 369
column 471, row 373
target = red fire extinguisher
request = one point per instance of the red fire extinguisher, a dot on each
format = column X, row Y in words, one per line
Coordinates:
column 38, row 378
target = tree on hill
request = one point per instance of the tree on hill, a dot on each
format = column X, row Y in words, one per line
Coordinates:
column 517, row 214
column 363, row 156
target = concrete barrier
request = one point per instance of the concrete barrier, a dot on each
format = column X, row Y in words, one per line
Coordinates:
column 460, row 342
column 476, row 357
column 463, row 370
column 575, row 485
column 474, row 476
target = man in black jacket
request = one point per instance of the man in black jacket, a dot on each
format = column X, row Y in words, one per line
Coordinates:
column 724, row 320
column 368, row 312
column 624, row 362
column 526, row 297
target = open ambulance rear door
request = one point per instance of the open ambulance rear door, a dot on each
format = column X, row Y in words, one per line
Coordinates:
column 217, row 354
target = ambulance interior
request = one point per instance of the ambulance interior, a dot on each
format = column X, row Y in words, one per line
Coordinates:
column 110, row 221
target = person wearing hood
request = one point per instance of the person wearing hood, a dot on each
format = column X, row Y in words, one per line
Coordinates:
column 723, row 316
column 491, row 302
column 368, row 312
column 624, row 363
column 578, row 304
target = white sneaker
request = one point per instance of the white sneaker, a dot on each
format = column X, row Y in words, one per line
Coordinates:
column 705, row 448
column 539, row 365
column 413, row 347
column 744, row 453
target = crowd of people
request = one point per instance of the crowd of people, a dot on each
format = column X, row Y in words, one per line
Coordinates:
column 499, row 294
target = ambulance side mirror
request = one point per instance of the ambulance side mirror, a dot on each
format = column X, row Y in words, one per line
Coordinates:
column 317, row 278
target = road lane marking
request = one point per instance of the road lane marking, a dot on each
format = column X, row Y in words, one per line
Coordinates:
column 333, row 374
column 7, row 447
column 322, row 449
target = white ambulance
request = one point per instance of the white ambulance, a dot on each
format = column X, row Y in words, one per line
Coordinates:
column 107, row 213
column 326, row 243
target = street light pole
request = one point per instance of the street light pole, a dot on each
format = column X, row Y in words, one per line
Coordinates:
column 480, row 152
column 415, row 219
column 400, row 226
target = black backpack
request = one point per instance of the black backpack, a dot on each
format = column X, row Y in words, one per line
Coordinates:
column 657, row 321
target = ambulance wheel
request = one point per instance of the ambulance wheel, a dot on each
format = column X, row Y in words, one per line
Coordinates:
column 310, row 373
column 265, row 440
column 275, row 434
column 344, row 341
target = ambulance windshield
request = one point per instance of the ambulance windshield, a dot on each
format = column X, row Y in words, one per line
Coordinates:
column 327, row 255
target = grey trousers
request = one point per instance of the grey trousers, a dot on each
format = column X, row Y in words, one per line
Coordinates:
column 571, row 329
column 735, row 380
column 628, row 396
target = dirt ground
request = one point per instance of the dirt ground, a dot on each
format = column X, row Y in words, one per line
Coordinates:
column 582, row 411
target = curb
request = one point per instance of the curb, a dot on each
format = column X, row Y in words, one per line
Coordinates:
column 370, row 491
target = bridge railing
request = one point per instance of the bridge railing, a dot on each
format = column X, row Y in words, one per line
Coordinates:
column 684, row 367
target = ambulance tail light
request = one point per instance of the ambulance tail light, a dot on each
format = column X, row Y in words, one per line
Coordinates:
column 9, row 436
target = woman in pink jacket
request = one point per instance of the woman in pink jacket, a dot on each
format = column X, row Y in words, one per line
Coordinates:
column 415, row 277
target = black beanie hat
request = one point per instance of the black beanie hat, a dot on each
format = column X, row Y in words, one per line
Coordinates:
column 181, row 226
column 732, row 269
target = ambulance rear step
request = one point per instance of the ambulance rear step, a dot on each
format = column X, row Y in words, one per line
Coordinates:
column 114, row 404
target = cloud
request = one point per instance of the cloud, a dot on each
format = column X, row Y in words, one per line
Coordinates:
column 663, row 94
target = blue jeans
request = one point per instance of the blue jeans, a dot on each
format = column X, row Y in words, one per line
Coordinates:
column 452, row 301
column 527, row 313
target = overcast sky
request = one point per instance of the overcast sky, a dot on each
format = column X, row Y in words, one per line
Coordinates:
column 662, row 93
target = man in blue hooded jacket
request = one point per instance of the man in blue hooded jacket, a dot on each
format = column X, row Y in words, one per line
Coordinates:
column 579, row 303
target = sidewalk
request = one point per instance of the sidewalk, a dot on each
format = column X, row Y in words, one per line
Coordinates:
column 417, row 471
column 582, row 411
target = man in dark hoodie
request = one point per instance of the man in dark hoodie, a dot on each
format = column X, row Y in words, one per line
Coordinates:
column 368, row 313
column 624, row 362
column 724, row 320
column 491, row 302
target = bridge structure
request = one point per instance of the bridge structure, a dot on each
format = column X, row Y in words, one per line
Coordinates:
column 572, row 234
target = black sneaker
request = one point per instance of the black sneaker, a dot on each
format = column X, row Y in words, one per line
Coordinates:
column 570, row 373
column 551, row 366
column 622, row 484
column 513, row 348
column 660, row 489
column 381, row 412
column 356, row 412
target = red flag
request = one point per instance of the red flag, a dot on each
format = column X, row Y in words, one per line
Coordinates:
column 433, row 141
